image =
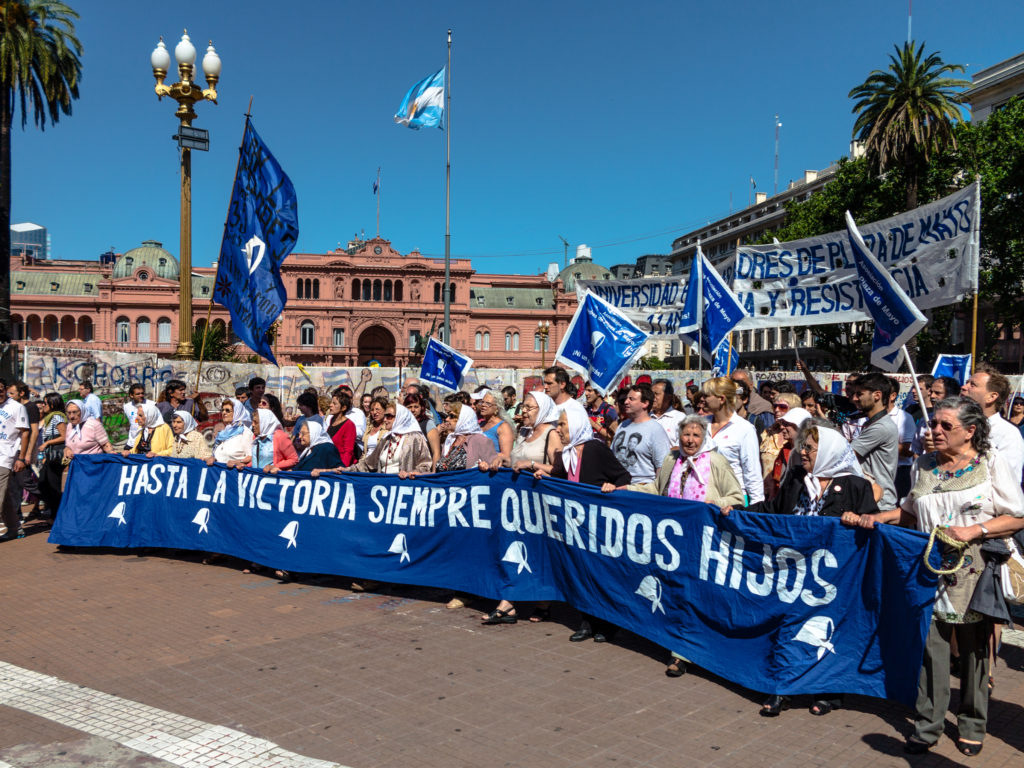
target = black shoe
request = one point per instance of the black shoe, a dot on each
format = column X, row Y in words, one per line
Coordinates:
column 967, row 748
column 581, row 634
column 915, row 746
column 600, row 638
column 773, row 705
column 676, row 669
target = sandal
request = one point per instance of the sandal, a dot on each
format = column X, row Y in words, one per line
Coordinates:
column 773, row 705
column 501, row 617
column 916, row 746
column 823, row 707
column 969, row 748
column 676, row 669
column 283, row 575
column 253, row 568
column 540, row 614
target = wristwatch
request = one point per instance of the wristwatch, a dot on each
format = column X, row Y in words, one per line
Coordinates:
column 984, row 530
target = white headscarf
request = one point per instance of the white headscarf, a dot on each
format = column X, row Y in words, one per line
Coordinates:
column 580, row 431
column 152, row 416
column 466, row 425
column 190, row 424
column 796, row 416
column 76, row 429
column 317, row 436
column 405, row 422
column 547, row 412
column 835, row 458
column 707, row 446
column 240, row 419
column 269, row 424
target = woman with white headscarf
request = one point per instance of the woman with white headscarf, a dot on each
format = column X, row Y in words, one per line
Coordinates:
column 537, row 441
column 271, row 446
column 154, row 437
column 234, row 441
column 85, row 434
column 466, row 445
column 318, row 450
column 828, row 482
column 189, row 442
column 404, row 449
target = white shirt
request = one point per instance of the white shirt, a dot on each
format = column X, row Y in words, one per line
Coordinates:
column 905, row 429
column 669, row 421
column 1007, row 442
column 131, row 410
column 13, row 419
column 737, row 442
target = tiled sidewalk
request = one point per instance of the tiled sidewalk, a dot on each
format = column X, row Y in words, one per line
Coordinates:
column 395, row 679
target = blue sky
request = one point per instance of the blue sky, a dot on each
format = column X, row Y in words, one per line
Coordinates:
column 612, row 124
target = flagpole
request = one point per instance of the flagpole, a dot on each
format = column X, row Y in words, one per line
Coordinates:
column 378, row 201
column 917, row 385
column 728, row 360
column 448, row 194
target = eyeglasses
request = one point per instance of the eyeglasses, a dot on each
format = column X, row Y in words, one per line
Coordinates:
column 946, row 426
column 528, row 409
column 781, row 406
column 389, row 415
column 450, row 416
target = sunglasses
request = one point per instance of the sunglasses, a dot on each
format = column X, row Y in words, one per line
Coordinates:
column 389, row 415
column 781, row 406
column 946, row 426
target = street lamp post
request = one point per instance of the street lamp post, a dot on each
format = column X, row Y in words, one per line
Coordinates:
column 543, row 328
column 186, row 93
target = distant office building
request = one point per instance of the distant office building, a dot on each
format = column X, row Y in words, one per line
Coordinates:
column 991, row 88
column 30, row 239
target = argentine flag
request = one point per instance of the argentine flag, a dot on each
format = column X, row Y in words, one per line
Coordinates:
column 896, row 318
column 423, row 105
column 443, row 366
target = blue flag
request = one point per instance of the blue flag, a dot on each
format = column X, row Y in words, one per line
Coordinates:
column 423, row 105
column 717, row 306
column 601, row 342
column 443, row 366
column 261, row 229
column 955, row 366
column 726, row 360
column 781, row 604
column 896, row 318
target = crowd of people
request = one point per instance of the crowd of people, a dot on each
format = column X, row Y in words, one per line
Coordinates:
column 950, row 459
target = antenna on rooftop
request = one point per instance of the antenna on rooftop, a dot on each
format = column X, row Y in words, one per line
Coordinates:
column 566, row 244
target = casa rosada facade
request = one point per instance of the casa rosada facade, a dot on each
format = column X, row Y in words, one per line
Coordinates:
column 354, row 306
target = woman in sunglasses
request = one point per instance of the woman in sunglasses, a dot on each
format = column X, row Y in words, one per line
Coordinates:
column 967, row 489
column 777, row 440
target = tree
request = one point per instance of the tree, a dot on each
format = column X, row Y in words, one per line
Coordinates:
column 907, row 114
column 218, row 348
column 40, row 67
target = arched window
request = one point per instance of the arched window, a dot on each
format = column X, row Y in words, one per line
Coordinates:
column 299, row 289
column 478, row 338
column 487, row 340
column 366, row 291
column 85, row 328
column 306, row 333
column 515, row 341
column 508, row 342
column 163, row 331
column 17, row 327
column 387, row 290
column 355, row 290
column 51, row 328
column 398, row 290
column 316, row 289
column 142, row 330
column 537, row 340
column 124, row 331
column 437, row 293
column 376, row 290
column 451, row 292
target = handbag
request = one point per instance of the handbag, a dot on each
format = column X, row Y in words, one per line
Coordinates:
column 939, row 532
column 53, row 453
column 1012, row 574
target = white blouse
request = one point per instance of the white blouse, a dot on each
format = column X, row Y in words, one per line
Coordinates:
column 737, row 442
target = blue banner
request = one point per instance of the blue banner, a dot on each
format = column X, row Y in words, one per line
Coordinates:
column 896, row 318
column 955, row 366
column 444, row 366
column 779, row 604
column 600, row 342
column 260, row 231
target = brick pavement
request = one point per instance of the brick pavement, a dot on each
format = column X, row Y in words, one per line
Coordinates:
column 395, row 679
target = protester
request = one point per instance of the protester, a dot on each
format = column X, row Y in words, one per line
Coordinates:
column 584, row 459
column 557, row 385
column 51, row 446
column 905, row 429
column 272, row 403
column 877, row 445
column 924, row 381
column 735, row 437
column 271, row 445
column 417, row 406
column 640, row 442
column 155, row 437
column 93, row 405
column 967, row 488
column 1017, row 412
column 136, row 398
column 403, row 449
column 375, row 425
column 695, row 471
column 174, row 399
column 234, row 442
column 990, row 389
column 465, row 445
column 493, row 426
column 242, row 396
column 318, row 450
column 604, row 417
column 257, row 389
column 14, row 458
column 511, row 406
column 340, row 428
column 365, row 401
column 85, row 434
column 757, row 403
column 664, row 410
column 189, row 442
column 308, row 403
column 783, row 434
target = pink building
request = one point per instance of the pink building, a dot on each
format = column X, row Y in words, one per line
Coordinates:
column 345, row 307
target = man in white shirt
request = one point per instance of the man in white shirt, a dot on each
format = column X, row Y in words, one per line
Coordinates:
column 664, row 412
column 556, row 385
column 136, row 399
column 989, row 388
column 14, row 448
column 905, row 429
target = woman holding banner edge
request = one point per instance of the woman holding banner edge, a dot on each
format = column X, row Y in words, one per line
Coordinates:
column 967, row 490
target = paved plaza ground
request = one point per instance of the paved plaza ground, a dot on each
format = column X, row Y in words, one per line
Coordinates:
column 111, row 659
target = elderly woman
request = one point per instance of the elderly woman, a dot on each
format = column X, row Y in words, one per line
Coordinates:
column 586, row 459
column 771, row 441
column 271, row 446
column 696, row 472
column 318, row 450
column 735, row 437
column 466, row 445
column 967, row 489
column 403, row 449
column 154, row 437
column 492, row 423
column 376, row 427
column 234, row 442
column 85, row 434
column 189, row 442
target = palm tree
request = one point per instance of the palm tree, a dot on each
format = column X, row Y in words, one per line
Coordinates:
column 907, row 113
column 39, row 72
column 217, row 348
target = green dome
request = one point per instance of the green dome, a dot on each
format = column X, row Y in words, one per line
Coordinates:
column 584, row 270
column 149, row 254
